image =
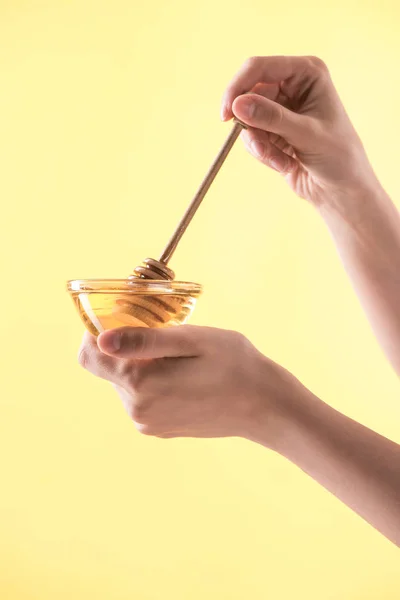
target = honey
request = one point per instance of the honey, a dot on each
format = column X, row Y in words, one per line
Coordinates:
column 108, row 305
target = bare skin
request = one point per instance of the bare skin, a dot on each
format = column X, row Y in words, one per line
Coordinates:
column 322, row 158
column 204, row 382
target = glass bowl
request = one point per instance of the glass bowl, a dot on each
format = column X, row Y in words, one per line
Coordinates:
column 110, row 303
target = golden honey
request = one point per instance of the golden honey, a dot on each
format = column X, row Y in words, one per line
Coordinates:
column 110, row 304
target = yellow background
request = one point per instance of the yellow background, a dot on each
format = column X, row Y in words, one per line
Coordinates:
column 109, row 117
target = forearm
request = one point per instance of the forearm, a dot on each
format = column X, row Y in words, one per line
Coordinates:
column 366, row 231
column 357, row 465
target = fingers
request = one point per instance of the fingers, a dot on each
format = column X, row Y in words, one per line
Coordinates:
column 148, row 343
column 259, row 144
column 99, row 364
column 270, row 69
column 270, row 149
column 268, row 90
column 271, row 91
column 265, row 114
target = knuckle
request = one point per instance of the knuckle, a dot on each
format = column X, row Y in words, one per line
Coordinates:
column 317, row 64
column 239, row 338
column 185, row 347
column 83, row 357
column 317, row 130
column 150, row 340
column 136, row 377
column 140, row 342
column 252, row 61
column 129, row 374
column 132, row 342
column 144, row 428
column 94, row 361
column 126, row 373
column 88, row 352
column 131, row 383
column 276, row 116
column 188, row 341
column 270, row 116
column 138, row 413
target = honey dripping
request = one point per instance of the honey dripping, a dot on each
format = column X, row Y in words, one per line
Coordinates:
column 160, row 310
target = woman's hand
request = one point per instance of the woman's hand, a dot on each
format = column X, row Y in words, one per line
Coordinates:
column 191, row 381
column 202, row 382
column 298, row 125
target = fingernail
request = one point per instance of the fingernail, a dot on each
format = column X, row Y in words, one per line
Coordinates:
column 224, row 112
column 115, row 341
column 278, row 163
column 257, row 148
column 247, row 108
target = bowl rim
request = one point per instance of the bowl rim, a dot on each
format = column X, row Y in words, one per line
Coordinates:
column 114, row 286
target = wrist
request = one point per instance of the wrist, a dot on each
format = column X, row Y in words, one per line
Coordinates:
column 294, row 425
column 279, row 399
column 353, row 204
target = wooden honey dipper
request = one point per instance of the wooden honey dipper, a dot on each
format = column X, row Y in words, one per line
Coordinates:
column 156, row 311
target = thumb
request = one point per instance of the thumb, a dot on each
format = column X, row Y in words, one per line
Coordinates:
column 265, row 114
column 148, row 343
